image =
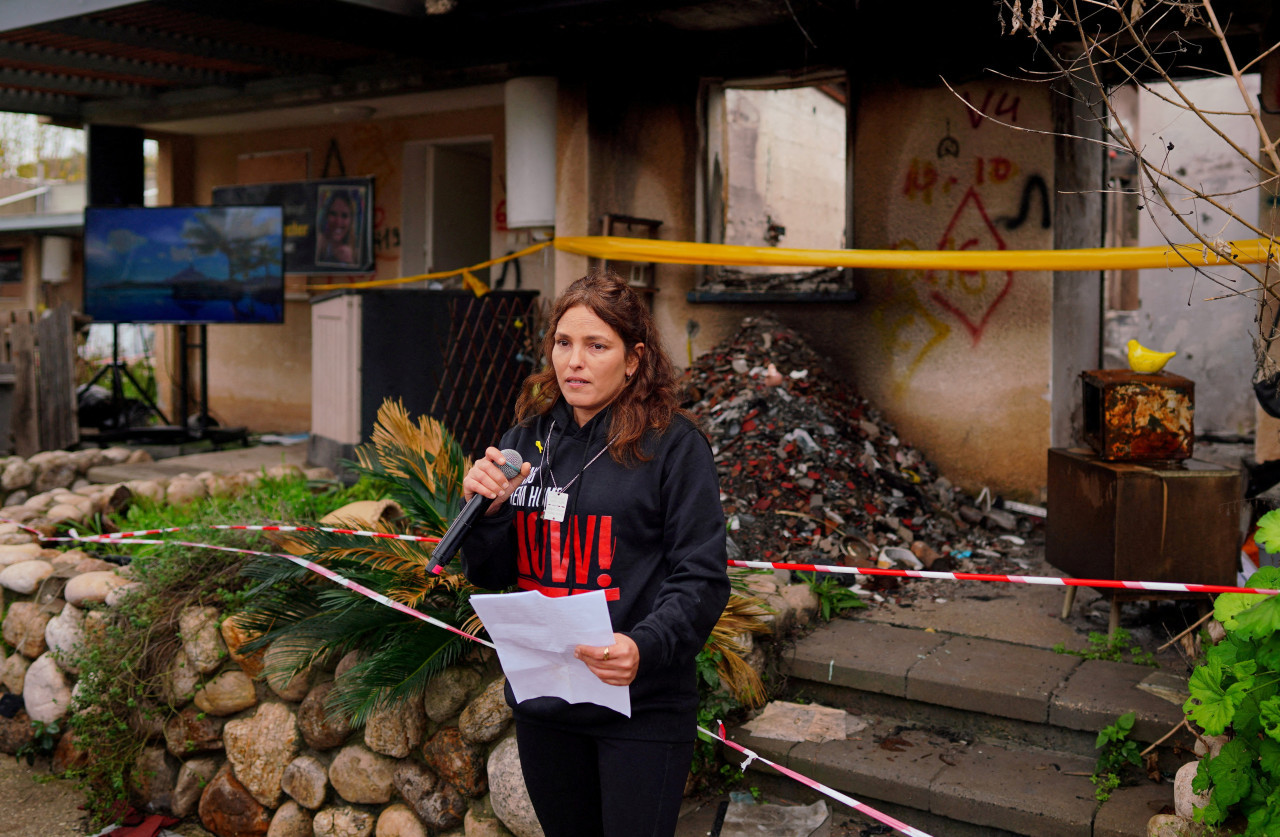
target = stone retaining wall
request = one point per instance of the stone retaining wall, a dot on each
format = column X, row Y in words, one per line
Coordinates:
column 247, row 754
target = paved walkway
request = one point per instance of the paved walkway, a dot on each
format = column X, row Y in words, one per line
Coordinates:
column 227, row 461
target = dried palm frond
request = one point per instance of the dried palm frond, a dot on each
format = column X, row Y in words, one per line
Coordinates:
column 742, row 617
column 420, row 463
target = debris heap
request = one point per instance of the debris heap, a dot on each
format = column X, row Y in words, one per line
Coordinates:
column 812, row 473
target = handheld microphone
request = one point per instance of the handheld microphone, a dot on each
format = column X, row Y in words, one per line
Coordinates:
column 475, row 507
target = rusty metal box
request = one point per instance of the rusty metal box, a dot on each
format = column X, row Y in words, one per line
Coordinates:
column 1136, row 416
column 1170, row 521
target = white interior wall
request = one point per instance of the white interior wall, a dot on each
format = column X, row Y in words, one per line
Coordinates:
column 1213, row 338
column 786, row 163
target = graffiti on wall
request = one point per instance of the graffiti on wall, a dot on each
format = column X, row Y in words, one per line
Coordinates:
column 923, row 176
column 909, row 330
column 1033, row 189
column 970, row 296
column 973, row 188
column 386, row 237
column 1001, row 105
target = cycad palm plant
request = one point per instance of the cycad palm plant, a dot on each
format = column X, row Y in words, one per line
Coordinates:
column 306, row 618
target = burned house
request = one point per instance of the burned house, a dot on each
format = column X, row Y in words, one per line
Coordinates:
column 491, row 126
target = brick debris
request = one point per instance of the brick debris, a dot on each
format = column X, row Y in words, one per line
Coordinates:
column 811, row 472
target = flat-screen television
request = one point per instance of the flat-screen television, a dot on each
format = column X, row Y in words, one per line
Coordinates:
column 194, row 264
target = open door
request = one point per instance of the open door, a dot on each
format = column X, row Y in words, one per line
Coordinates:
column 460, row 192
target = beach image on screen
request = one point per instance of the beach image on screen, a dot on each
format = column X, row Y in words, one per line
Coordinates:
column 222, row 264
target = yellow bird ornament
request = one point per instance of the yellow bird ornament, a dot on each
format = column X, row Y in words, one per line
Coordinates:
column 1142, row 359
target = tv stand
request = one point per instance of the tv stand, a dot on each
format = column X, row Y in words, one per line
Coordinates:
column 119, row 371
column 189, row 428
column 200, row 425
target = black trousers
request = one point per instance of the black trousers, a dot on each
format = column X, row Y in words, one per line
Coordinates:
column 584, row 786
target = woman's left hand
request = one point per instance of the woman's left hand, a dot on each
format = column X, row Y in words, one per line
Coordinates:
column 614, row 664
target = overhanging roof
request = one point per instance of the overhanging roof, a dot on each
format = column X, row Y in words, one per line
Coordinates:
column 59, row 222
column 158, row 61
column 177, row 62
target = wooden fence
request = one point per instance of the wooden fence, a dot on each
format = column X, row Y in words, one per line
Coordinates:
column 39, row 352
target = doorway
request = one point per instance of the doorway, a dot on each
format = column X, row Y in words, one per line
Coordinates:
column 449, row 187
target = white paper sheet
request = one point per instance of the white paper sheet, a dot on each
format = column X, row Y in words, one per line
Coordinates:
column 535, row 636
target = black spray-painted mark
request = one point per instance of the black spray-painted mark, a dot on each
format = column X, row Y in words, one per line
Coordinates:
column 948, row 146
column 1035, row 184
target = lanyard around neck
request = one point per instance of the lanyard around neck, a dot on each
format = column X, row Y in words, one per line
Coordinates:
column 546, row 458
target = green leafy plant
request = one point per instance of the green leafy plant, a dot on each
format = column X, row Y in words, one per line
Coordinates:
column 1116, row 648
column 1117, row 754
column 123, row 660
column 1236, row 691
column 730, row 776
column 715, row 704
column 44, row 740
column 833, row 597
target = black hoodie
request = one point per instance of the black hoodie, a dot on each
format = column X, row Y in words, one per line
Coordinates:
column 651, row 535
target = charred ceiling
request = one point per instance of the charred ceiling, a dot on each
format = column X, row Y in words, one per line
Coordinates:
column 156, row 61
column 146, row 62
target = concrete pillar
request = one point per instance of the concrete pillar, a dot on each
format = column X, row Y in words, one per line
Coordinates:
column 573, row 202
column 1077, row 295
column 115, row 165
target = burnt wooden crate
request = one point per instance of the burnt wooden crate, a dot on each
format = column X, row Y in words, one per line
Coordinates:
column 1170, row 521
column 1138, row 417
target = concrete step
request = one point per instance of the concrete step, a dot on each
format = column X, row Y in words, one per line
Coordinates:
column 981, row 687
column 950, row 787
column 968, row 736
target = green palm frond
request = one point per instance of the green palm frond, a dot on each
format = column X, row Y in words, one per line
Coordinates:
column 306, row 619
column 403, row 562
column 396, row 670
column 306, row 625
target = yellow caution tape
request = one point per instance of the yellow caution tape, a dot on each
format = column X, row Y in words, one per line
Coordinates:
column 1250, row 251
column 1255, row 251
column 474, row 284
column 441, row 274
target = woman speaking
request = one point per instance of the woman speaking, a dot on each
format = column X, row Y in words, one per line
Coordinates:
column 618, row 493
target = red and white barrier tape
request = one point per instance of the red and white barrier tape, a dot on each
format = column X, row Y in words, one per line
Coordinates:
column 39, row 535
column 361, row 532
column 1163, row 586
column 910, row 831
column 860, row 807
column 136, row 537
column 301, row 562
column 1160, row 586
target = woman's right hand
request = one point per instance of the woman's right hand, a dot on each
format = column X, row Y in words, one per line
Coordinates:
column 486, row 479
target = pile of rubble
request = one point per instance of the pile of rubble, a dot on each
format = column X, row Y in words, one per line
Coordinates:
column 812, row 473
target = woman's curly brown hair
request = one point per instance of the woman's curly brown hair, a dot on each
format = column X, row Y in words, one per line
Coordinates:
column 649, row 400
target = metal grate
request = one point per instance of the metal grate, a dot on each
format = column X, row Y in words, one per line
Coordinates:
column 491, row 345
